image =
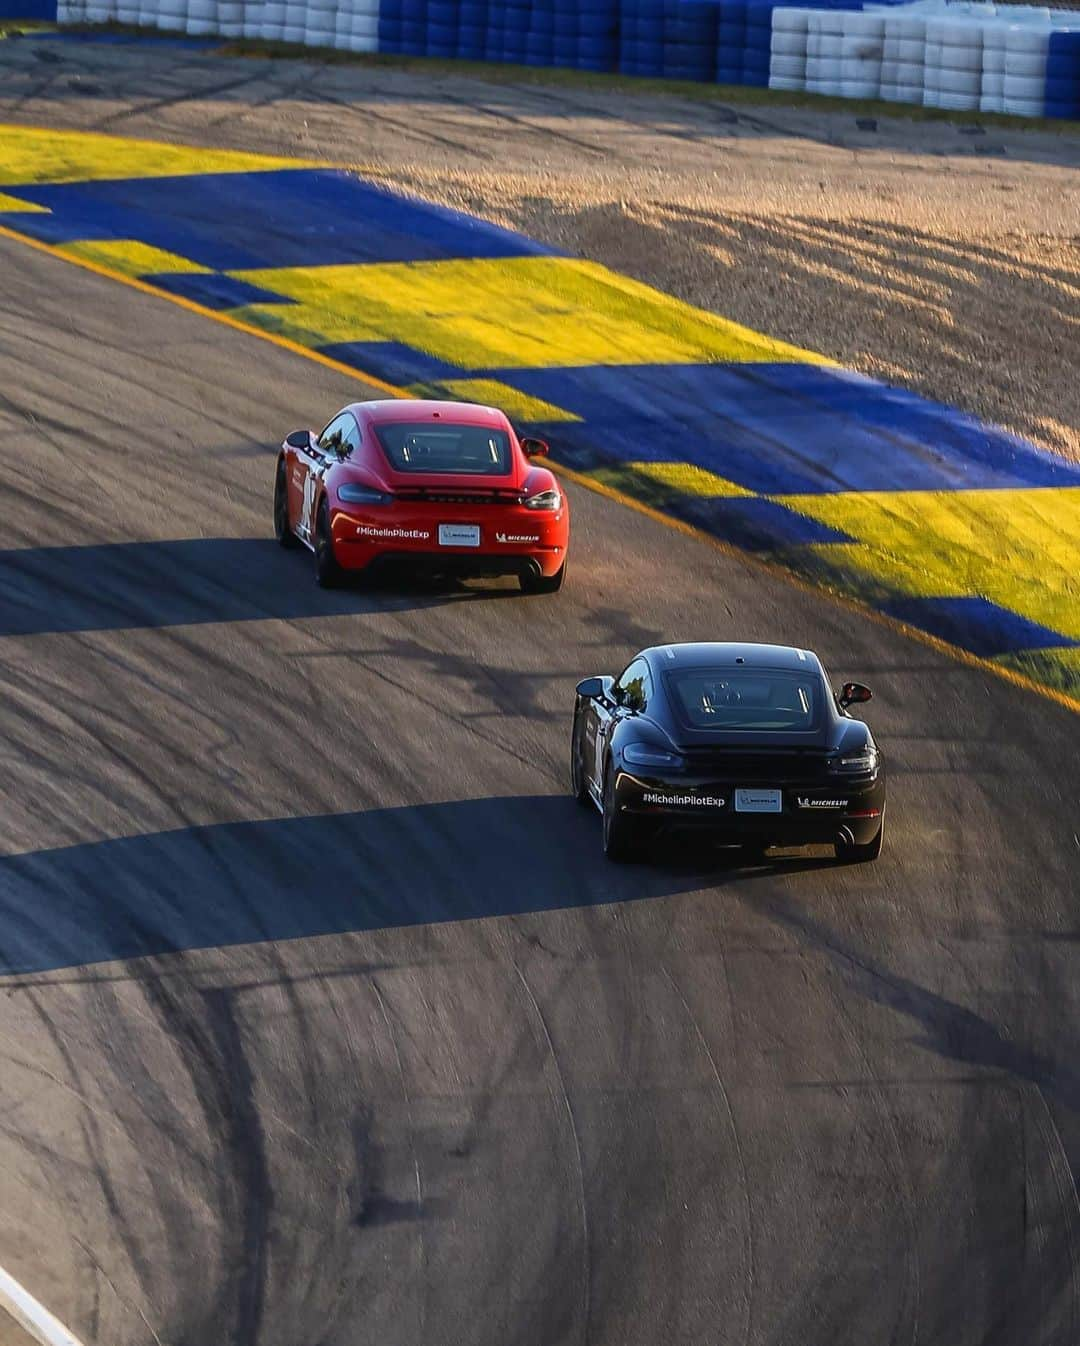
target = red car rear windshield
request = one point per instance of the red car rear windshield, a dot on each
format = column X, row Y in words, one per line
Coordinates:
column 467, row 449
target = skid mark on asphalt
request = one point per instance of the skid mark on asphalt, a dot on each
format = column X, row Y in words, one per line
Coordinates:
column 561, row 1100
column 732, row 1126
column 410, row 1118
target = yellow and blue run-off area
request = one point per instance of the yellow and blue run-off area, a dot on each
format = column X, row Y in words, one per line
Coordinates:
column 950, row 525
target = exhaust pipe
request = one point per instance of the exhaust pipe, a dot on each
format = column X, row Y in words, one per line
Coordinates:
column 846, row 837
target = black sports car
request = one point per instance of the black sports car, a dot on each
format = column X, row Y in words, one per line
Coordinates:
column 747, row 741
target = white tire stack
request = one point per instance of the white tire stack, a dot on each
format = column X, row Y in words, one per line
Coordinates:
column 1025, row 68
column 230, row 19
column 320, row 23
column 252, row 18
column 960, row 72
column 932, row 62
column 830, row 41
column 861, row 52
column 172, row 15
column 903, row 57
column 273, row 21
column 813, row 51
column 992, row 82
column 295, row 21
column 201, row 18
column 357, row 25
column 787, row 49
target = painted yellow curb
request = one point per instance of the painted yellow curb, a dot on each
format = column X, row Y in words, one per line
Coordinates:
column 580, row 479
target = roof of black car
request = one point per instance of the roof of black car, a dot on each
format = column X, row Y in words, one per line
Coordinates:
column 719, row 654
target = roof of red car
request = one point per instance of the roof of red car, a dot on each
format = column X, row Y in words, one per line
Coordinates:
column 452, row 413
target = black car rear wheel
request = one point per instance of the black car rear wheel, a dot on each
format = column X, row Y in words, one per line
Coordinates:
column 543, row 584
column 284, row 534
column 327, row 570
column 852, row 853
column 620, row 842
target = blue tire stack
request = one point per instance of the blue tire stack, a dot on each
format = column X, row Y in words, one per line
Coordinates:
column 1063, row 76
column 690, row 39
column 472, row 30
column 517, row 20
column 757, row 42
column 493, row 32
column 539, row 42
column 564, row 36
column 730, row 41
column 442, row 28
column 597, row 34
column 414, row 27
column 390, row 26
column 641, row 38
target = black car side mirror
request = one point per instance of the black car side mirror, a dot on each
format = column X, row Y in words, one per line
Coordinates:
column 852, row 693
column 534, row 448
column 299, row 439
column 595, row 689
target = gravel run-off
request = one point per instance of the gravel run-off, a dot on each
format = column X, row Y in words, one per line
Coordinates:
column 939, row 256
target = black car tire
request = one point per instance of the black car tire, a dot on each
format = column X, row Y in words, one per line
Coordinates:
column 543, row 584
column 579, row 781
column 854, row 854
column 327, row 570
column 619, row 842
column 284, row 534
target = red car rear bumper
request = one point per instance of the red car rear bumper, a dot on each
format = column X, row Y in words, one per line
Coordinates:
column 508, row 539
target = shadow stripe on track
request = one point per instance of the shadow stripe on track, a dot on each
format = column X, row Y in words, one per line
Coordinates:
column 240, row 883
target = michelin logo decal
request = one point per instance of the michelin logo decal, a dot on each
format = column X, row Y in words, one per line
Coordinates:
column 517, row 537
column 805, row 803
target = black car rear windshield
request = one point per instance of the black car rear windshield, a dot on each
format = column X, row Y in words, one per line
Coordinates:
column 755, row 699
column 467, row 449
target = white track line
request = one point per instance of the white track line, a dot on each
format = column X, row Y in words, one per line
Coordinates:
column 32, row 1316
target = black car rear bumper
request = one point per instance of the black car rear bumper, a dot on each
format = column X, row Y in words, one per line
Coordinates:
column 811, row 813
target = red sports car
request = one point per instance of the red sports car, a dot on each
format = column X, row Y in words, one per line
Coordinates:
column 442, row 486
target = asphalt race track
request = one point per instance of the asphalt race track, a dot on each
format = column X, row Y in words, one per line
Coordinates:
column 323, row 1021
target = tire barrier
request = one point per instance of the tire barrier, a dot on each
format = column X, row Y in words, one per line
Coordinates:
column 959, row 55
column 35, row 11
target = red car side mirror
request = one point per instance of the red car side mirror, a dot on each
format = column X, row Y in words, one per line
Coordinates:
column 534, row 448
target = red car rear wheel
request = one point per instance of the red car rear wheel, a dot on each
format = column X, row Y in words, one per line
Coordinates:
column 544, row 584
column 327, row 570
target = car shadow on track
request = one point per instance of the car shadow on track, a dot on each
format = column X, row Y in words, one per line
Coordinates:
column 289, row 878
column 179, row 583
column 948, row 1029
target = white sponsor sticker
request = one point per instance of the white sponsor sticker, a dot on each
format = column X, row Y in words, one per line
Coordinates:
column 804, row 803
column 758, row 801
column 512, row 538
column 459, row 535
